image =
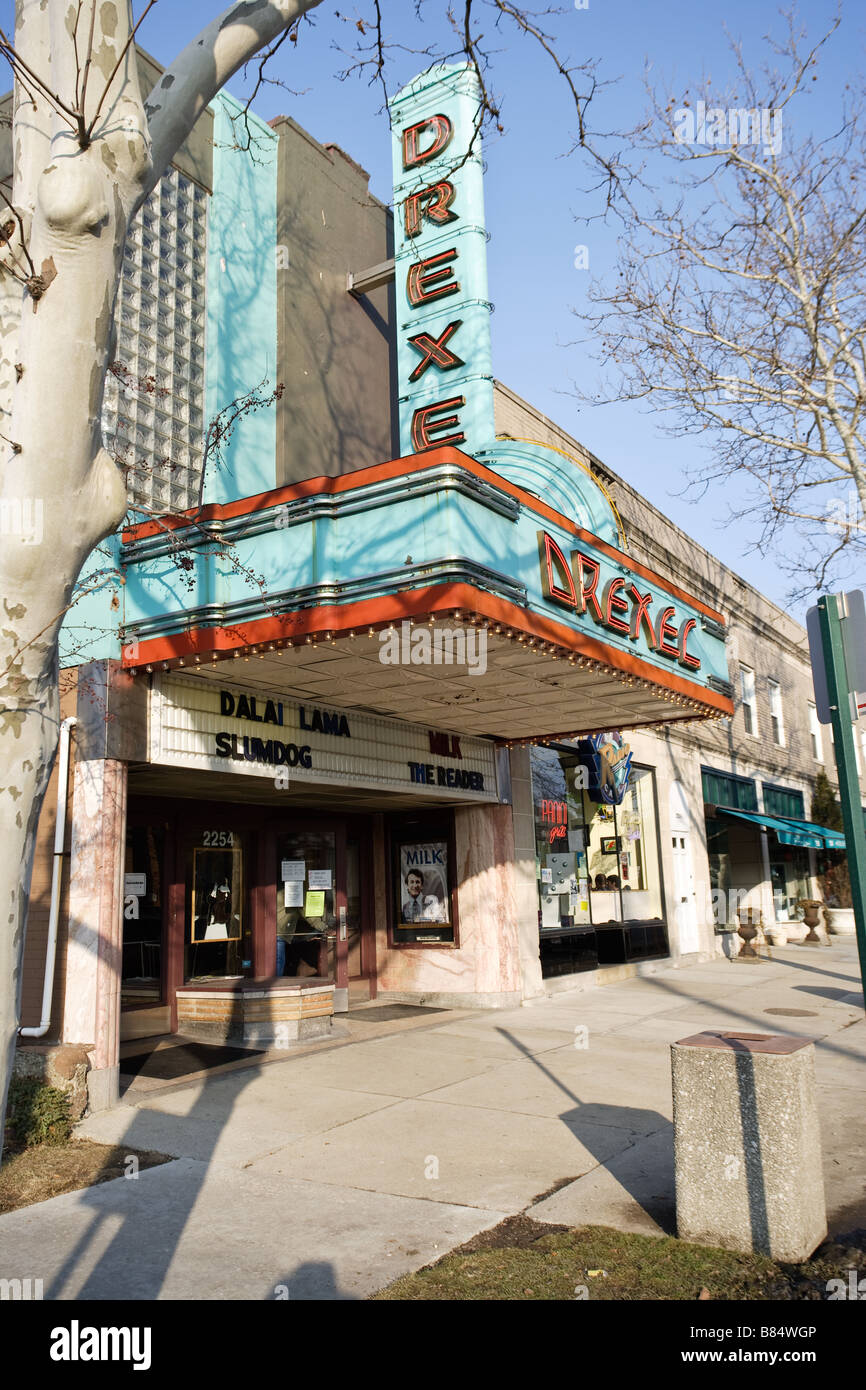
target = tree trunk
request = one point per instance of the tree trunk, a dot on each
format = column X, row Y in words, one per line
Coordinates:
column 28, row 743
column 62, row 493
column 76, row 185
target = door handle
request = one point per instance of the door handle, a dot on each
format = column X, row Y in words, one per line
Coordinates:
column 342, row 924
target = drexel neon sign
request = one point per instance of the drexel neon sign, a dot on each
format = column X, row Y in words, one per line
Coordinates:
column 445, row 382
column 619, row 604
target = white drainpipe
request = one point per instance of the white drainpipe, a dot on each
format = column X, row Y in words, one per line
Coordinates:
column 56, row 879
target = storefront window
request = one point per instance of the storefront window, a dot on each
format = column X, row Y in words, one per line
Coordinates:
column 422, row 882
column 218, row 935
column 789, row 875
column 719, row 860
column 637, row 850
column 597, row 865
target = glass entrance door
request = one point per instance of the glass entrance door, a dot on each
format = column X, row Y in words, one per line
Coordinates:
column 307, row 903
column 354, row 950
column 143, row 906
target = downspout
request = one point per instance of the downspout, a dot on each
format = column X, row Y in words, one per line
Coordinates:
column 56, row 878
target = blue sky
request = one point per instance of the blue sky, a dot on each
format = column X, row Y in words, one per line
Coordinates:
column 535, row 190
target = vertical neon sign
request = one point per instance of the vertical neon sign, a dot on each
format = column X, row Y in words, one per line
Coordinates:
column 445, row 382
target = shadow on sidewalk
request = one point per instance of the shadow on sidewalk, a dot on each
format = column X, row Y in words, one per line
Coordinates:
column 139, row 1252
column 644, row 1166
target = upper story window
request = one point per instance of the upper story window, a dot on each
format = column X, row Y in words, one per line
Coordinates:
column 784, row 801
column 726, row 789
column 777, row 723
column 747, row 695
column 815, row 734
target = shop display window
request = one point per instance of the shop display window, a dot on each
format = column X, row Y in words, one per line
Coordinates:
column 422, row 896
column 218, row 932
column 597, row 864
column 789, row 877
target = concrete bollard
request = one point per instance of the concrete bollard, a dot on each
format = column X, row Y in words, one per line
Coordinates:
column 747, row 1148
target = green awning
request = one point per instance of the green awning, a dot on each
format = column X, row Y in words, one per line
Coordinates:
column 832, row 839
column 791, row 832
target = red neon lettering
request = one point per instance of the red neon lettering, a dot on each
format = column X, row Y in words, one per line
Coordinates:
column 434, row 352
column 667, row 633
column 441, row 130
column 586, row 590
column 424, row 425
column 432, row 278
column 685, row 658
column 434, row 203
column 554, row 591
column 613, row 599
column 640, row 614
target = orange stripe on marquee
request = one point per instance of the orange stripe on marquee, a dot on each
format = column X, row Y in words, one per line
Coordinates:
column 340, row 619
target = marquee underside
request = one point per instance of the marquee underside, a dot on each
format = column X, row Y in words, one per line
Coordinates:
column 526, row 693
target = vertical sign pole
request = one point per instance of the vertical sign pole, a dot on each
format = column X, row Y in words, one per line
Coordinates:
column 846, row 762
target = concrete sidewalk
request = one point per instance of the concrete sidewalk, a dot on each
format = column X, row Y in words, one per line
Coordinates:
column 333, row 1173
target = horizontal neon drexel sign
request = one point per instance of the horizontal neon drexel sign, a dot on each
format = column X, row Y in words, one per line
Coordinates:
column 620, row 604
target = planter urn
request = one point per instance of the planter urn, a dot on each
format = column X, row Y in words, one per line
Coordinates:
column 750, row 920
column 811, row 907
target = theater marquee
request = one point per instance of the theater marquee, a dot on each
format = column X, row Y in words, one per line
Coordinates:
column 213, row 727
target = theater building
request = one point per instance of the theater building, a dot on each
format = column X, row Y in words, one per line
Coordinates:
column 349, row 718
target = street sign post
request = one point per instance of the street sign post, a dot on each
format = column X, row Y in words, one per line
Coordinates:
column 842, row 656
column 853, row 615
